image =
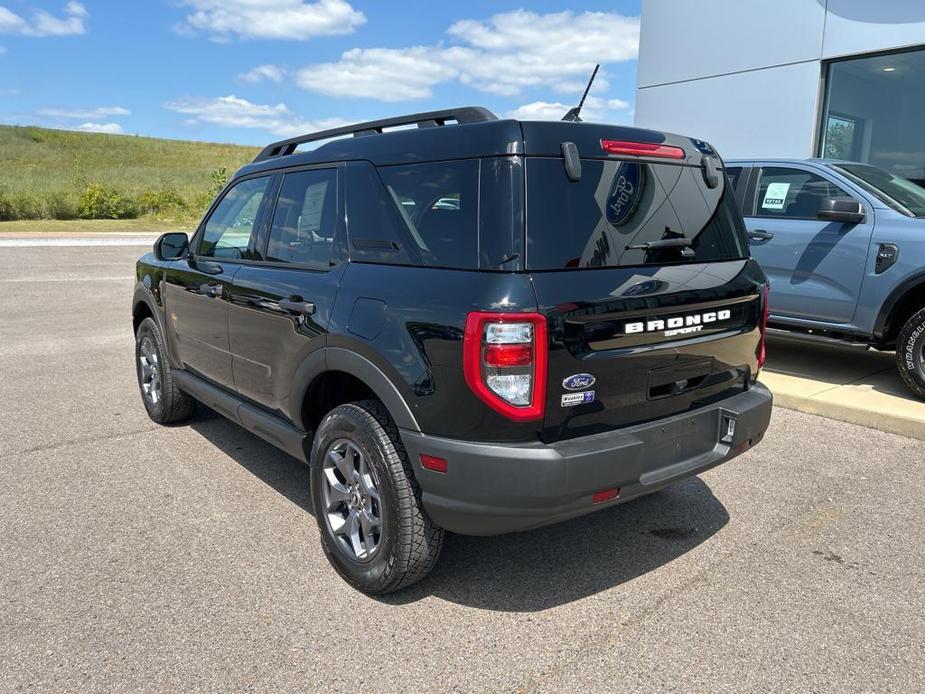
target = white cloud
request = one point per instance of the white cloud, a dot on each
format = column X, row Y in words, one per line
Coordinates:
column 595, row 109
column 298, row 20
column 44, row 23
column 231, row 111
column 2, row 50
column 10, row 23
column 379, row 73
column 540, row 110
column 272, row 73
column 502, row 55
column 110, row 128
column 79, row 114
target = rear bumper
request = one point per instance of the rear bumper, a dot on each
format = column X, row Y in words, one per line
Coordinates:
column 490, row 489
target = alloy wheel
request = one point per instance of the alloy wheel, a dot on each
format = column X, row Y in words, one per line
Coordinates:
column 149, row 370
column 352, row 503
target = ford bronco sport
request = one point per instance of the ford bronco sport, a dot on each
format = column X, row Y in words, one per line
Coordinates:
column 474, row 325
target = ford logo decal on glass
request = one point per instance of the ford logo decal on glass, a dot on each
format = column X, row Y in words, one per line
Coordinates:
column 625, row 192
column 578, row 382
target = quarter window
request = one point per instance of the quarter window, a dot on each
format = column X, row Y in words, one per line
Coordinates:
column 305, row 221
column 792, row 193
column 231, row 225
column 438, row 206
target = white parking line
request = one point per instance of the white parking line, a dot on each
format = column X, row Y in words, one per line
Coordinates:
column 121, row 278
column 100, row 241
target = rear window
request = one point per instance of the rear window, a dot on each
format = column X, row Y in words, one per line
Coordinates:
column 606, row 218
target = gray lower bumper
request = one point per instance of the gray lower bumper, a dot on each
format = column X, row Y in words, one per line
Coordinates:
column 491, row 489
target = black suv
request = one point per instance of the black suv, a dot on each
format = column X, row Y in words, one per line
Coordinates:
column 475, row 324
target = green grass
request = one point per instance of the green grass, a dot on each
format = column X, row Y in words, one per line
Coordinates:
column 45, row 169
column 88, row 226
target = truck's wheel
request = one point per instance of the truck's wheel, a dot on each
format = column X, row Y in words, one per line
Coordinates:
column 910, row 353
column 164, row 402
column 367, row 502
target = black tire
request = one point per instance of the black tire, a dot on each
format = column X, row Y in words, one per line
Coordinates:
column 171, row 404
column 408, row 541
column 910, row 353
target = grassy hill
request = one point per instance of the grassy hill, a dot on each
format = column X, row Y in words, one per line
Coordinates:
column 60, row 174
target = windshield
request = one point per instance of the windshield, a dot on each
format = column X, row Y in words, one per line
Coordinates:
column 899, row 193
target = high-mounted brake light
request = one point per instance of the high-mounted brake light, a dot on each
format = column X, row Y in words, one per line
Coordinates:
column 504, row 362
column 642, row 149
column 765, row 313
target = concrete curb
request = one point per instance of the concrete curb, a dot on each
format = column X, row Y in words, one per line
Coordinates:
column 884, row 421
column 846, row 384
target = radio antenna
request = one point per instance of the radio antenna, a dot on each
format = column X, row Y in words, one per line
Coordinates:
column 573, row 114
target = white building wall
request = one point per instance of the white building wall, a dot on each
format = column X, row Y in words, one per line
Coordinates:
column 864, row 26
column 745, row 114
column 690, row 39
column 746, row 75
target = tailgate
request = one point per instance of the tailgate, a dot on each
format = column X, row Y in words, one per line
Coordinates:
column 629, row 345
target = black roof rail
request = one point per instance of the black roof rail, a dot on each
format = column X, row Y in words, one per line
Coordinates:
column 465, row 114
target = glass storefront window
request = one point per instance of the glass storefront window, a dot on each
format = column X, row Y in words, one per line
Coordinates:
column 873, row 112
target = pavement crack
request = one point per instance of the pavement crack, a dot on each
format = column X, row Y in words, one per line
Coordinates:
column 76, row 442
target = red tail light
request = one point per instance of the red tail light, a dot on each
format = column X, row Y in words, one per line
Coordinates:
column 765, row 312
column 504, row 362
column 509, row 355
column 642, row 149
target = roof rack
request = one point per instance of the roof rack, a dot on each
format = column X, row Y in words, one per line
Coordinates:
column 429, row 119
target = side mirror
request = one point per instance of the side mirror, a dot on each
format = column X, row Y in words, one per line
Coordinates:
column 847, row 210
column 171, row 246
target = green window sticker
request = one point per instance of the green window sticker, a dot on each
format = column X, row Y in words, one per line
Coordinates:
column 775, row 196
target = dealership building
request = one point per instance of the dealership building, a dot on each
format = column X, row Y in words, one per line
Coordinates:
column 789, row 78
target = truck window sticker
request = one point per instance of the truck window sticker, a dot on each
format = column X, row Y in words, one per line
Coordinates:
column 775, row 196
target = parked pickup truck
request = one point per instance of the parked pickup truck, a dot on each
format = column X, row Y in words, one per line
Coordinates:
column 843, row 244
column 464, row 323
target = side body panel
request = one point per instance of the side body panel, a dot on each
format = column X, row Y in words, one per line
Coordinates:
column 197, row 316
column 815, row 267
column 413, row 333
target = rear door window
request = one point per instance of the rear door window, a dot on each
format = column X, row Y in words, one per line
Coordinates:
column 305, row 222
column 606, row 218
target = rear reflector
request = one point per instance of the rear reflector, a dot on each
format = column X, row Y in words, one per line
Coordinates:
column 642, row 149
column 605, row 495
column 432, row 462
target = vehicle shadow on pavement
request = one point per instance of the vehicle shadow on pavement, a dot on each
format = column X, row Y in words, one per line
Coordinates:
column 279, row 470
column 522, row 572
column 555, row 565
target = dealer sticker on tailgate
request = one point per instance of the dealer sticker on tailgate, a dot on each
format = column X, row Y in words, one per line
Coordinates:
column 572, row 399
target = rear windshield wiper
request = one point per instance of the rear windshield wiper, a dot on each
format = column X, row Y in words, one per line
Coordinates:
column 682, row 243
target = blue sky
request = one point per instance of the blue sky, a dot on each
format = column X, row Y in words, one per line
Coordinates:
column 251, row 71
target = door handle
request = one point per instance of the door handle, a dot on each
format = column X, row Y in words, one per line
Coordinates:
column 295, row 304
column 760, row 235
column 211, row 289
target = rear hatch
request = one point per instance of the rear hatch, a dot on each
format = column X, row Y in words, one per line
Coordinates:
column 637, row 332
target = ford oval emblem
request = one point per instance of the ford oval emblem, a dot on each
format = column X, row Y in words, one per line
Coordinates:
column 625, row 192
column 578, row 382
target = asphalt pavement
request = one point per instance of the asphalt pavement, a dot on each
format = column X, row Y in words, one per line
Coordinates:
column 135, row 557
